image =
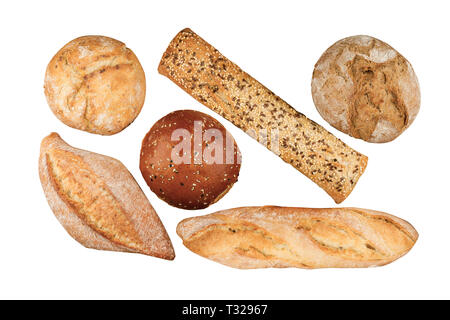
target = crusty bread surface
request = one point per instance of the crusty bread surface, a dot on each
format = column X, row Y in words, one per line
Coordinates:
column 212, row 79
column 365, row 88
column 278, row 237
column 98, row 202
column 95, row 84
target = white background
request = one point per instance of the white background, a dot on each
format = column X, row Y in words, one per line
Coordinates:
column 278, row 43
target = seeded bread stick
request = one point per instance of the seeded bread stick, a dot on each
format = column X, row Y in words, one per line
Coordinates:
column 204, row 73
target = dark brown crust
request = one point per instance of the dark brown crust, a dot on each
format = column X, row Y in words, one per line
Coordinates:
column 188, row 186
column 212, row 79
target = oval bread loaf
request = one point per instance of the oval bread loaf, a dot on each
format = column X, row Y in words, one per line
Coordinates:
column 277, row 237
column 98, row 202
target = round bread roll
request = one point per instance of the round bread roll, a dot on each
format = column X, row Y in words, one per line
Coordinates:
column 189, row 159
column 365, row 88
column 95, row 84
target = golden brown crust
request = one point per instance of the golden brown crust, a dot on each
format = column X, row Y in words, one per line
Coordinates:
column 98, row 201
column 188, row 185
column 222, row 86
column 264, row 237
column 365, row 88
column 95, row 84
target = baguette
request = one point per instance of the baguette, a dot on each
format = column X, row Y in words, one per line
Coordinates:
column 205, row 74
column 277, row 237
column 98, row 202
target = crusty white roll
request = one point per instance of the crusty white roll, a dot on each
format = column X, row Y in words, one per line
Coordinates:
column 95, row 84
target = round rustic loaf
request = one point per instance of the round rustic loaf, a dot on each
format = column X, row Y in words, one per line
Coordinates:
column 365, row 88
column 95, row 84
column 189, row 160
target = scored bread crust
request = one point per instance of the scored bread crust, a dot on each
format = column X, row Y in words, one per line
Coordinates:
column 95, row 84
column 98, row 202
column 212, row 79
column 278, row 237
